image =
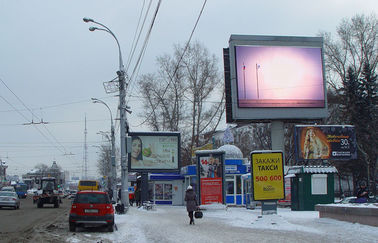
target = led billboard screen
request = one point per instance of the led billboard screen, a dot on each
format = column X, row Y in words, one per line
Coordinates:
column 154, row 152
column 274, row 77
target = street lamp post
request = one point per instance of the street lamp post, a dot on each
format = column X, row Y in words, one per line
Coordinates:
column 122, row 110
column 113, row 172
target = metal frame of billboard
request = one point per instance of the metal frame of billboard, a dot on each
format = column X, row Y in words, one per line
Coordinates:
column 209, row 153
column 237, row 114
column 156, row 134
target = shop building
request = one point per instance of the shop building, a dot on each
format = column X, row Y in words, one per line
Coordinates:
column 236, row 186
column 166, row 188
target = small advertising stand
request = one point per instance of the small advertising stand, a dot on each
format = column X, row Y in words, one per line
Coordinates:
column 210, row 171
column 268, row 179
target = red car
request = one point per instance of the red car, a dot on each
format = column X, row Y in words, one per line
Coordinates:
column 91, row 208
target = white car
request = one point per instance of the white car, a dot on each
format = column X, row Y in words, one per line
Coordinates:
column 32, row 191
column 8, row 189
column 9, row 199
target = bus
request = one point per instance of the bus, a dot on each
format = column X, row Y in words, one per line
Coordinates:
column 21, row 189
column 88, row 185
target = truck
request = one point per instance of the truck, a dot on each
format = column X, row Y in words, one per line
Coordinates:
column 47, row 193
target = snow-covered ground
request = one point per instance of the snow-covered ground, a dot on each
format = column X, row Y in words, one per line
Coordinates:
column 221, row 224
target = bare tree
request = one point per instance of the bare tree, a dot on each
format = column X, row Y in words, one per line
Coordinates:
column 179, row 96
column 163, row 96
column 356, row 45
column 103, row 161
column 203, row 78
column 351, row 61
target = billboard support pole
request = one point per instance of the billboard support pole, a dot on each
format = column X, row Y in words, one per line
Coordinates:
column 144, row 185
column 277, row 137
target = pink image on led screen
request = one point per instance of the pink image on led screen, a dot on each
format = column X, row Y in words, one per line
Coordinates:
column 279, row 76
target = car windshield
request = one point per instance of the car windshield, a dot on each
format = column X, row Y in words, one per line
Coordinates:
column 48, row 185
column 94, row 198
column 88, row 183
column 7, row 194
column 10, row 189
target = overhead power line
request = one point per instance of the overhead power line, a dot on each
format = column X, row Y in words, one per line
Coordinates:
column 33, row 115
column 135, row 41
column 178, row 63
column 58, row 105
column 144, row 47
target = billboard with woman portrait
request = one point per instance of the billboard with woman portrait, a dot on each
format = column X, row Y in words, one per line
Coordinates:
column 154, row 152
column 325, row 142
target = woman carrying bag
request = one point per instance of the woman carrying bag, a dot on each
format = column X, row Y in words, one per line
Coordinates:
column 191, row 202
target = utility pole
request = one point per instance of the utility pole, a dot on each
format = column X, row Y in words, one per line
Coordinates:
column 85, row 166
column 123, row 130
column 112, row 173
column 122, row 110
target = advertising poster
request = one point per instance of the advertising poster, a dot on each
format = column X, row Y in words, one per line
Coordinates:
column 325, row 142
column 268, row 175
column 211, row 190
column 154, row 152
column 211, row 179
column 287, row 192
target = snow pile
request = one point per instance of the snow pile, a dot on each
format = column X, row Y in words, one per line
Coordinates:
column 214, row 206
column 222, row 224
column 253, row 219
column 353, row 205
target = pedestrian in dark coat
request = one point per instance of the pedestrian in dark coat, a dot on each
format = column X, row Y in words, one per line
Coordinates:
column 191, row 202
column 362, row 193
column 137, row 197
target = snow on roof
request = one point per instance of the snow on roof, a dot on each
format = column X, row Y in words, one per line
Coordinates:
column 34, row 171
column 231, row 151
column 215, row 151
column 313, row 169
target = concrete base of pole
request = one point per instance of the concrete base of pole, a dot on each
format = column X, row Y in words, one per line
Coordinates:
column 125, row 190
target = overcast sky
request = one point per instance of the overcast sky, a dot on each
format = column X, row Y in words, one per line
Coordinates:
column 51, row 64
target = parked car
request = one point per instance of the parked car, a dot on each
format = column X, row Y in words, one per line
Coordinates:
column 9, row 199
column 32, row 191
column 91, row 208
column 72, row 194
column 8, row 189
column 347, row 200
column 66, row 193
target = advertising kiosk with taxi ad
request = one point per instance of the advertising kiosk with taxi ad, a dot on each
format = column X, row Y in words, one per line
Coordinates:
column 268, row 179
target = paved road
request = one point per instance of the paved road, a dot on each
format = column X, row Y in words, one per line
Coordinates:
column 32, row 224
